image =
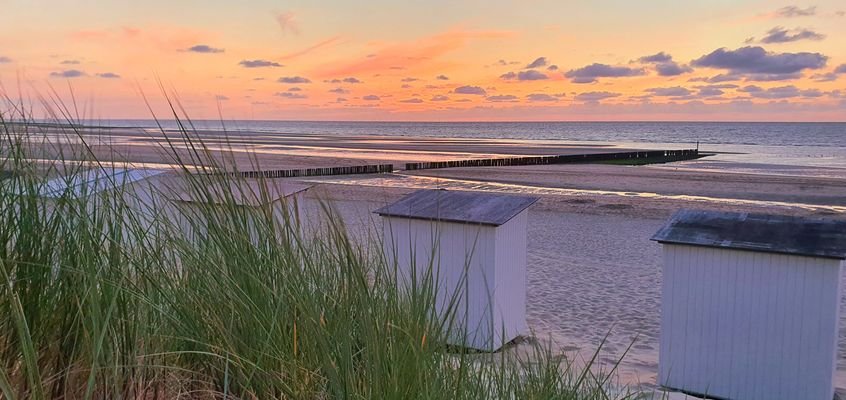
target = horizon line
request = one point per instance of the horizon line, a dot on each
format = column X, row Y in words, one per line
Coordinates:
column 459, row 121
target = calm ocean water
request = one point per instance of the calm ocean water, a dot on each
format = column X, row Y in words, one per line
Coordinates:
column 737, row 133
column 802, row 149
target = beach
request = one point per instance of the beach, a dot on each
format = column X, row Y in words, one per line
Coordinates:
column 592, row 269
column 423, row 200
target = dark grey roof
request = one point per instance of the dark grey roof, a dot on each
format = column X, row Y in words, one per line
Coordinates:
column 757, row 232
column 457, row 206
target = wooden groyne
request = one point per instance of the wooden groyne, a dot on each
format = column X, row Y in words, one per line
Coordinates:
column 294, row 173
column 657, row 155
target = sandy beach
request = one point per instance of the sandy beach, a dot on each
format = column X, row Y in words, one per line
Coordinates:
column 592, row 269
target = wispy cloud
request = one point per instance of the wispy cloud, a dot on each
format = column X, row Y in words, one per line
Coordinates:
column 826, row 77
column 530, row 75
column 713, row 90
column 782, row 35
column 672, row 69
column 505, row 98
column 258, row 64
column 595, row 97
column 474, row 90
column 288, row 22
column 756, row 64
column 716, row 78
column 371, row 97
column 781, row 92
column 503, row 63
column 830, row 76
column 591, row 73
column 656, row 58
column 351, row 79
column 541, row 97
column 293, row 79
column 539, row 62
column 291, row 95
column 69, row 62
column 321, row 44
column 665, row 65
column 4, row 60
column 442, row 78
column 675, row 91
column 108, row 75
column 204, row 48
column 412, row 101
column 70, row 73
column 439, row 97
column 795, row 11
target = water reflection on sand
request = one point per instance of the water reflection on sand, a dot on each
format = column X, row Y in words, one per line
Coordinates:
column 425, row 182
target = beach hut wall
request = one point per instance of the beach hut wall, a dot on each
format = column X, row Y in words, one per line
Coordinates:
column 750, row 305
column 473, row 248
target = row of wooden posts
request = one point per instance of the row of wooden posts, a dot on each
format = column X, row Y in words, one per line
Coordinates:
column 293, row 173
column 666, row 155
column 669, row 155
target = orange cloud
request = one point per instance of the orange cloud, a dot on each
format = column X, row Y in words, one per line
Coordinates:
column 400, row 54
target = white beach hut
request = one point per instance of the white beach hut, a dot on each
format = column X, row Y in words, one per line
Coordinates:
column 473, row 246
column 750, row 305
column 93, row 181
column 136, row 186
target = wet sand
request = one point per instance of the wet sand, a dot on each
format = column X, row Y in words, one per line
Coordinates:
column 265, row 150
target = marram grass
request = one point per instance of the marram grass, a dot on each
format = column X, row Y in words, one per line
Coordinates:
column 103, row 299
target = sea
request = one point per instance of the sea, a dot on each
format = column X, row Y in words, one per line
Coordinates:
column 800, row 148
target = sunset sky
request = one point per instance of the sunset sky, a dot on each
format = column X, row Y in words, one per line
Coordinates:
column 433, row 60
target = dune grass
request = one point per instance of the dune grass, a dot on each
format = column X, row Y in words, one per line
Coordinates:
column 105, row 296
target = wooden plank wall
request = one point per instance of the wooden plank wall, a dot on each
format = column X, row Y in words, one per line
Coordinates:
column 748, row 325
